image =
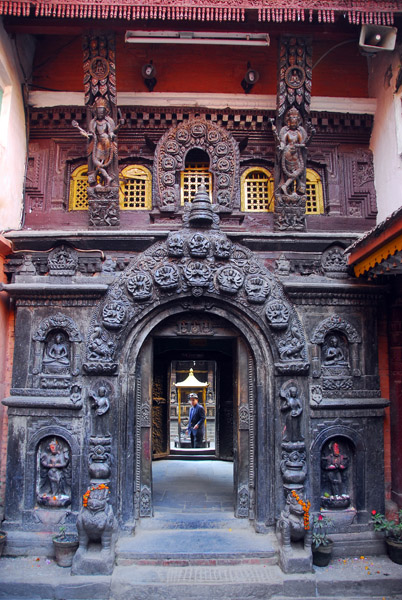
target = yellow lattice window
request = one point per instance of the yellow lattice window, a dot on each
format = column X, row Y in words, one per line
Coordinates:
column 257, row 190
column 135, row 188
column 78, row 188
column 315, row 199
column 194, row 175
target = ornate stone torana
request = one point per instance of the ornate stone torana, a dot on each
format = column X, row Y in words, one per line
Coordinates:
column 100, row 97
column 170, row 157
column 196, row 263
column 292, row 132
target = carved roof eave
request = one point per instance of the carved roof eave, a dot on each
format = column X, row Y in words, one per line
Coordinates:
column 356, row 11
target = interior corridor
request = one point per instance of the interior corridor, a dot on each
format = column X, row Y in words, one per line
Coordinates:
column 190, row 486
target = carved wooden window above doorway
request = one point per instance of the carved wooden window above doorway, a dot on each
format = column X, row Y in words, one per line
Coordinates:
column 135, row 188
column 315, row 198
column 257, row 190
column 194, row 175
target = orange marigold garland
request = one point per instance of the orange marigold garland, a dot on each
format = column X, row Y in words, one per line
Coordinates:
column 101, row 486
column 306, row 508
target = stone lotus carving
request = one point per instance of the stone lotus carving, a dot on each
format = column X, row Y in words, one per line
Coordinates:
column 230, row 280
column 175, row 245
column 54, row 473
column 199, row 245
column 62, row 260
column 334, row 262
column 97, row 524
column 277, row 314
column 197, row 274
column 222, row 248
column 167, row 277
column 139, row 286
column 114, row 314
column 257, row 289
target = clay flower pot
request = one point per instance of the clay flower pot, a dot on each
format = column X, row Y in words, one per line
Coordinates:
column 394, row 549
column 3, row 539
column 65, row 547
column 322, row 554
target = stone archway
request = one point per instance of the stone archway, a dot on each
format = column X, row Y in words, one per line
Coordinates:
column 200, row 270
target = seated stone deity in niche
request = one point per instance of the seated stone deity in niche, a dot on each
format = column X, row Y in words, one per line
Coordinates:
column 293, row 407
column 56, row 357
column 54, row 477
column 334, row 463
column 333, row 352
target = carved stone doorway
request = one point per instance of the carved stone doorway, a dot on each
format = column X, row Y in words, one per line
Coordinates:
column 210, row 358
column 206, row 340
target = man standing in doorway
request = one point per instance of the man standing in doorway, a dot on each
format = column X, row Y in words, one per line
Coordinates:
column 196, row 421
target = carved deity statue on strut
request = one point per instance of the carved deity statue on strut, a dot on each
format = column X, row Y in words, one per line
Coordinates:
column 291, row 140
column 102, row 147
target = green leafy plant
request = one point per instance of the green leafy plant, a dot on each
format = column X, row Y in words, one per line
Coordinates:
column 321, row 524
column 393, row 529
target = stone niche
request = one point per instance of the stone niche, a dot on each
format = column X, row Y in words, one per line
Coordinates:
column 347, row 468
column 337, row 474
column 53, row 472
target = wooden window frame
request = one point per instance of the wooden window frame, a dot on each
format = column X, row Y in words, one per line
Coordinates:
column 244, row 193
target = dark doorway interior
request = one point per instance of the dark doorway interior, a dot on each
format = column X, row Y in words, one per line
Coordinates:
column 205, row 354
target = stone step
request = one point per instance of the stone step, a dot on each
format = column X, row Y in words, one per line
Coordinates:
column 374, row 578
column 186, row 520
column 189, row 546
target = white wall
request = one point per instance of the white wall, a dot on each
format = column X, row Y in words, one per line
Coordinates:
column 386, row 139
column 12, row 133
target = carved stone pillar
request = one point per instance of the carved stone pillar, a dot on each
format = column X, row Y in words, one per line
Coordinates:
column 292, row 132
column 100, row 100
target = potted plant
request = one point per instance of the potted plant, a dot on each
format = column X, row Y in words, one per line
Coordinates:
column 322, row 545
column 393, row 534
column 3, row 539
column 65, row 546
